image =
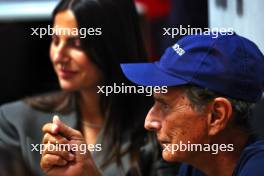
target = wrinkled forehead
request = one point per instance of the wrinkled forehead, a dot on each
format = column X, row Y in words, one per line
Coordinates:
column 173, row 94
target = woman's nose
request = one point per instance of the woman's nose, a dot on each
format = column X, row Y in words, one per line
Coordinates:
column 152, row 123
column 59, row 54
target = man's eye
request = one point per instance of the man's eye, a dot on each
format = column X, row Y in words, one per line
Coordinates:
column 164, row 105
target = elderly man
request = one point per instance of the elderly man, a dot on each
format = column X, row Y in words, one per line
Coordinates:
column 203, row 119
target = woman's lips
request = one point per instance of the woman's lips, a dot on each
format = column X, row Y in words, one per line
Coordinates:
column 66, row 74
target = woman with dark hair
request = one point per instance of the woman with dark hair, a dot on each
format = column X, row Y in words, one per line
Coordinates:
column 82, row 63
column 98, row 57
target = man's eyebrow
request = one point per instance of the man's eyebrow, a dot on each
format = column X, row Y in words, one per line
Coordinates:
column 159, row 99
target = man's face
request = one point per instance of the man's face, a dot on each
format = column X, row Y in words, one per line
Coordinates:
column 175, row 121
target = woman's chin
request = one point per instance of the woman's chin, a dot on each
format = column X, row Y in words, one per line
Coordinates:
column 68, row 86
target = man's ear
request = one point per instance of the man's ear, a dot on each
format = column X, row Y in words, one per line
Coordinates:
column 221, row 112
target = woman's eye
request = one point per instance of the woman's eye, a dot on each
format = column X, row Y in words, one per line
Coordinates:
column 76, row 43
column 55, row 40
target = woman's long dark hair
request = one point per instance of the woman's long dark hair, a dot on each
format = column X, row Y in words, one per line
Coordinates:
column 120, row 42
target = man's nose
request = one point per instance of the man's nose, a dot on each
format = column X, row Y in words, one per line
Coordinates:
column 152, row 122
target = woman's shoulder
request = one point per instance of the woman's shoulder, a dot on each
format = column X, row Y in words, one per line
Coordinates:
column 18, row 121
column 16, row 107
column 26, row 108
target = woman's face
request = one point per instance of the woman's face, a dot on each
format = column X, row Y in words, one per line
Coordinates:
column 73, row 67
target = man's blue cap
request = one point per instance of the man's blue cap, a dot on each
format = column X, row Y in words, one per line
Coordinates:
column 229, row 64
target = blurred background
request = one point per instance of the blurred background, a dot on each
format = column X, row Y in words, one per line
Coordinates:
column 25, row 68
column 24, row 58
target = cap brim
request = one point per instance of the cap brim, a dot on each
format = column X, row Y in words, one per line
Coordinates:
column 148, row 74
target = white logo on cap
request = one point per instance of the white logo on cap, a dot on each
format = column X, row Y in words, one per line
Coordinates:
column 178, row 49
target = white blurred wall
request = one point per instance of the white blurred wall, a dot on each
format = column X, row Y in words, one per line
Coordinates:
column 246, row 17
